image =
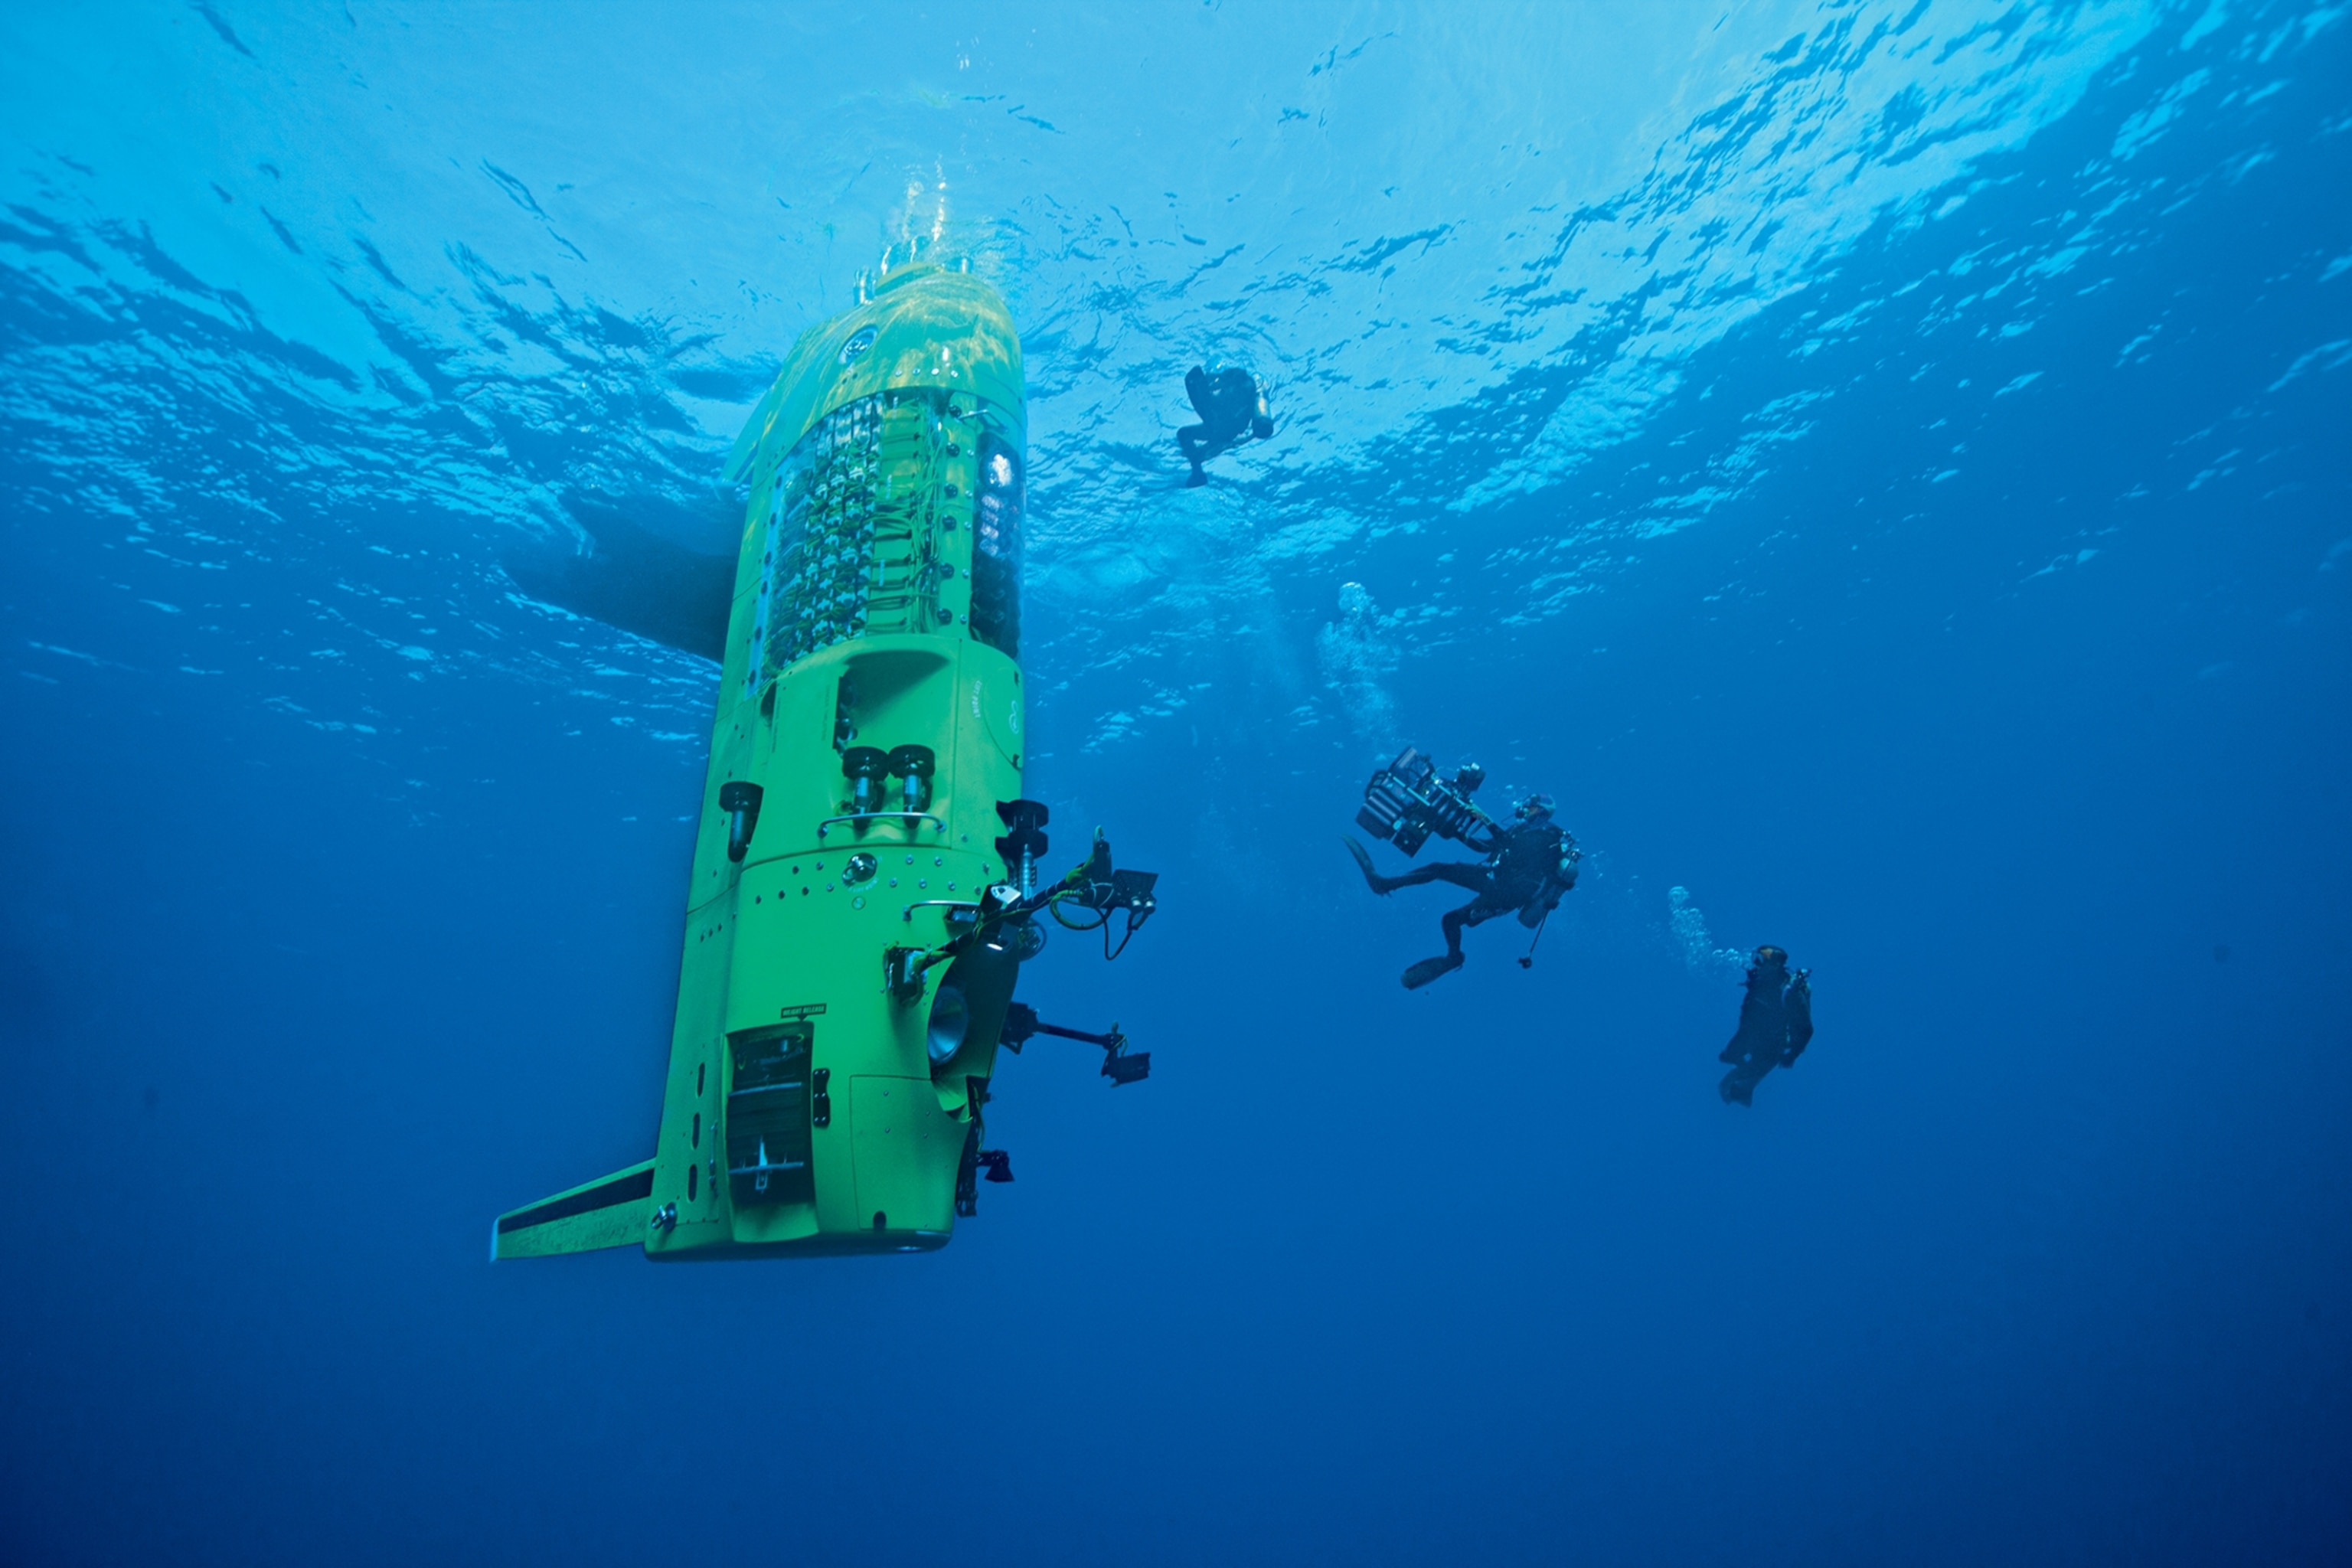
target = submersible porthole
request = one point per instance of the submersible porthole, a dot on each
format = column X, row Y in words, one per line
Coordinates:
column 950, row 1019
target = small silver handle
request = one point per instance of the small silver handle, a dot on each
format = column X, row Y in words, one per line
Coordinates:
column 823, row 827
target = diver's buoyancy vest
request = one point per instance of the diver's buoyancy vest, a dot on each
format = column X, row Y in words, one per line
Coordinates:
column 1528, row 853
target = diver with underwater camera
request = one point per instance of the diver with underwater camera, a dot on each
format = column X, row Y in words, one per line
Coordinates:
column 1529, row 865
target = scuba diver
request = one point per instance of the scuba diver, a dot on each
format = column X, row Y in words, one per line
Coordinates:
column 1231, row 405
column 1529, row 866
column 1776, row 1023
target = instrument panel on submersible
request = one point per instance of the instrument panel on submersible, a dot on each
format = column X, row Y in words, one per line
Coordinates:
column 866, row 882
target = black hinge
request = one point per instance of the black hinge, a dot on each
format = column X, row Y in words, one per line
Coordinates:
column 967, row 1191
column 820, row 1098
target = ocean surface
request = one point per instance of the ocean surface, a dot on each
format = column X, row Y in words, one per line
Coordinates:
column 1884, row 466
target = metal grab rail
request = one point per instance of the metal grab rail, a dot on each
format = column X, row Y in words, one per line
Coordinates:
column 823, row 827
column 907, row 913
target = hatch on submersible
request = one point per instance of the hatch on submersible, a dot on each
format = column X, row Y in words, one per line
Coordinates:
column 866, row 882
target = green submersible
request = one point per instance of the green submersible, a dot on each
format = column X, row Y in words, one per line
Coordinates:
column 865, row 880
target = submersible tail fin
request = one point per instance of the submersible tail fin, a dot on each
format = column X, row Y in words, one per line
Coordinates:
column 611, row 1211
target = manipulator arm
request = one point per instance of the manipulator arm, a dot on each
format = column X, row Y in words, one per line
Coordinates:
column 1021, row 1023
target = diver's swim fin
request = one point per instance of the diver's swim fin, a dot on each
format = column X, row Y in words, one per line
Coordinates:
column 1372, row 879
column 1429, row 969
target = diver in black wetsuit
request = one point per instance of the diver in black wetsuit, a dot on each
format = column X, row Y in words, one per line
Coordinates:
column 1532, row 867
column 1232, row 406
column 1776, row 1023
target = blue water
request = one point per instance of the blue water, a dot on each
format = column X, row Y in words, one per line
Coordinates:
column 1883, row 466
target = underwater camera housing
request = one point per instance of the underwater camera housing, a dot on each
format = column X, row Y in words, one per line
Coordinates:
column 1406, row 801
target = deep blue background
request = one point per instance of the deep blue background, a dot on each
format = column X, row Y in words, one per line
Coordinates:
column 2040, row 1255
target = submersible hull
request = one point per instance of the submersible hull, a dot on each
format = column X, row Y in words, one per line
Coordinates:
column 839, row 1013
